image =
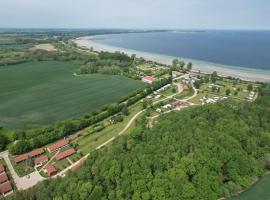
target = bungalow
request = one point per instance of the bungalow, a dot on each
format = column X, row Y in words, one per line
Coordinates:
column 1, row 168
column 148, row 79
column 40, row 160
column 185, row 87
column 50, row 170
column 176, row 104
column 65, row 154
column 25, row 156
column 5, row 188
column 3, row 178
column 58, row 145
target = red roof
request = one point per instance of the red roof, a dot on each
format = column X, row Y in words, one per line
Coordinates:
column 185, row 87
column 149, row 78
column 1, row 168
column 51, row 170
column 41, row 159
column 58, row 145
column 176, row 103
column 5, row 187
column 3, row 178
column 65, row 154
column 24, row 157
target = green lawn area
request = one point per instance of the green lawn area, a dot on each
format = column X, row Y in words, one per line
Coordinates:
column 258, row 191
column 37, row 93
column 90, row 142
column 61, row 164
column 22, row 168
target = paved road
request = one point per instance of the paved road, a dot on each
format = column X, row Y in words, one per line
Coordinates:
column 22, row 183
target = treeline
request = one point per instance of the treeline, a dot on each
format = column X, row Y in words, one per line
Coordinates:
column 34, row 138
column 111, row 63
column 200, row 153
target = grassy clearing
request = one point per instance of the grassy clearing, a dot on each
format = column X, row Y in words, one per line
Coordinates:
column 37, row 93
column 90, row 142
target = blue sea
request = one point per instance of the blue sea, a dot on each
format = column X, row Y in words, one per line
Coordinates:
column 249, row 49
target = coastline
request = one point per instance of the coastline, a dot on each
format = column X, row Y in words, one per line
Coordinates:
column 205, row 67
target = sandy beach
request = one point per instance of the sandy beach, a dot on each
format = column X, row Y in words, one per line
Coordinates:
column 206, row 67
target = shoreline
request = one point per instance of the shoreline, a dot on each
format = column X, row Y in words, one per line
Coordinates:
column 247, row 74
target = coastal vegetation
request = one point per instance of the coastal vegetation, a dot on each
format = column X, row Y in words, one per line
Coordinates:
column 207, row 152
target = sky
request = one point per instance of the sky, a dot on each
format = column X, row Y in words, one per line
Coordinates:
column 136, row 14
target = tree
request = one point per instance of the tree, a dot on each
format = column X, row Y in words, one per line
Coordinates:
column 174, row 90
column 125, row 111
column 228, row 92
column 250, row 87
column 189, row 66
column 175, row 63
column 3, row 141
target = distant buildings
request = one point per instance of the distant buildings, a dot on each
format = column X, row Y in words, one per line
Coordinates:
column 149, row 79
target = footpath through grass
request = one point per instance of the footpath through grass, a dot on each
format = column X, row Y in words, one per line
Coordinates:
column 89, row 142
column 37, row 93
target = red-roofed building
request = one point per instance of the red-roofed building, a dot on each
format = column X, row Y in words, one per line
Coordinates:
column 176, row 103
column 40, row 160
column 25, row 156
column 185, row 87
column 2, row 169
column 5, row 188
column 65, row 154
column 58, row 145
column 149, row 79
column 3, row 177
column 50, row 170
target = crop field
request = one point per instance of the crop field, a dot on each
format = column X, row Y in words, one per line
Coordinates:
column 37, row 93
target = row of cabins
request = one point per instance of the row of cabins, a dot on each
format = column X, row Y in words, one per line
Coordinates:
column 40, row 157
column 5, row 186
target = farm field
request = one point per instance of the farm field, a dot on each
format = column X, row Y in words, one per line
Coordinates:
column 38, row 93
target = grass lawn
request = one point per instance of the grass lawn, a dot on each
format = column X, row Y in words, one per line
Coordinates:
column 92, row 141
column 61, row 164
column 184, row 94
column 37, row 93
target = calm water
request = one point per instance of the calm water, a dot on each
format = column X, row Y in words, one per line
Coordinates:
column 236, row 48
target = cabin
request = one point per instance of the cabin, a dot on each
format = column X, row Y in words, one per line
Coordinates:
column 50, row 170
column 148, row 79
column 31, row 154
column 5, row 188
column 40, row 160
column 3, row 178
column 58, row 145
column 2, row 169
column 65, row 154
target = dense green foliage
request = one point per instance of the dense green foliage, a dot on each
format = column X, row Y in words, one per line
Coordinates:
column 200, row 153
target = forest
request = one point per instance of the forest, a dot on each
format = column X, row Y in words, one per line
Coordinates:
column 205, row 152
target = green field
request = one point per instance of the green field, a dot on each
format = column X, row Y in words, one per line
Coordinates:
column 258, row 191
column 37, row 93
